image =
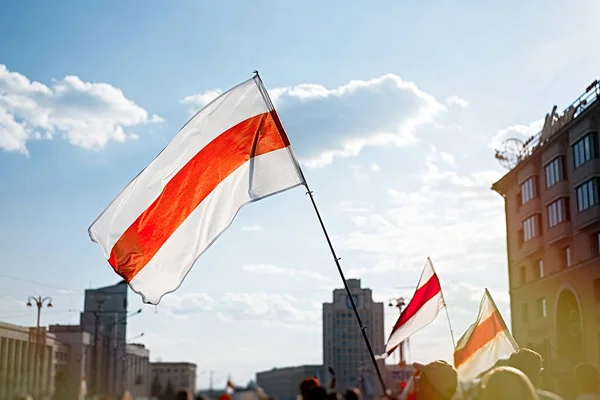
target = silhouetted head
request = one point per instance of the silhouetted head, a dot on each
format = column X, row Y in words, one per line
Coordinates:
column 586, row 378
column 317, row 393
column 352, row 394
column 504, row 383
column 437, row 380
column 184, row 395
column 306, row 385
column 528, row 362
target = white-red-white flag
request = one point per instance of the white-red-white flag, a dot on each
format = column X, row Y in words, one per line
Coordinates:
column 232, row 152
column 422, row 309
column 229, row 388
column 484, row 343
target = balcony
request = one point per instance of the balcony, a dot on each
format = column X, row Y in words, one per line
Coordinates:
column 533, row 206
column 532, row 246
column 559, row 189
column 586, row 218
column 558, row 233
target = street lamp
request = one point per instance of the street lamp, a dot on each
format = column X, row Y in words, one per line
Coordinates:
column 399, row 303
column 39, row 303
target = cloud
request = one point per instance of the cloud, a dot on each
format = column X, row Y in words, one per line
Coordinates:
column 266, row 308
column 88, row 115
column 457, row 101
column 196, row 102
column 375, row 168
column 267, row 269
column 521, row 132
column 326, row 124
column 252, row 228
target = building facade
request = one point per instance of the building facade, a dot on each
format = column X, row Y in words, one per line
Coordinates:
column 74, row 360
column 552, row 206
column 344, row 349
column 284, row 383
column 105, row 318
column 137, row 371
column 24, row 367
column 177, row 375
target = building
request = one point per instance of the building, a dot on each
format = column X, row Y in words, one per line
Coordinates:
column 137, row 371
column 344, row 349
column 552, row 206
column 397, row 376
column 74, row 359
column 105, row 318
column 177, row 375
column 284, row 383
column 23, row 369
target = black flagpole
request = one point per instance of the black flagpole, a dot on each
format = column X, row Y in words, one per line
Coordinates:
column 335, row 257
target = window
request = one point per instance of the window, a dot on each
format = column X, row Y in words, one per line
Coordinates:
column 597, row 290
column 584, row 149
column 522, row 275
column 528, row 190
column 558, row 212
column 554, row 171
column 587, row 194
column 541, row 308
column 541, row 268
column 568, row 256
column 525, row 313
column 598, row 243
column 531, row 227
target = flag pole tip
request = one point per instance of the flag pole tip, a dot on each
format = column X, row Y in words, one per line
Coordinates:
column 255, row 72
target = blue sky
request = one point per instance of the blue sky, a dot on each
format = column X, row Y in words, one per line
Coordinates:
column 392, row 108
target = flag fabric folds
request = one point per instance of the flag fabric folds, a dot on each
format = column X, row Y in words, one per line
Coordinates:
column 484, row 342
column 232, row 152
column 422, row 309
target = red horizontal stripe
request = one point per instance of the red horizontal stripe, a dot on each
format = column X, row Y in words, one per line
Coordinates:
column 484, row 333
column 190, row 186
column 422, row 295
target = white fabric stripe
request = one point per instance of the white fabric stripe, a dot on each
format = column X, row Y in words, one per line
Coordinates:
column 258, row 178
column 487, row 356
column 427, row 273
column 229, row 109
column 425, row 316
column 486, row 309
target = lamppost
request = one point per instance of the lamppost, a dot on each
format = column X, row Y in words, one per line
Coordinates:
column 399, row 303
column 39, row 303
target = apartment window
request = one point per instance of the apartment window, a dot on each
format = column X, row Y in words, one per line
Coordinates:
column 597, row 290
column 541, row 308
column 568, row 257
column 558, row 211
column 584, row 149
column 528, row 190
column 523, row 275
column 531, row 227
column 587, row 194
column 554, row 171
column 541, row 268
column 525, row 313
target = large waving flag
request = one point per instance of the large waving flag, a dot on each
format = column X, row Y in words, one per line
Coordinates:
column 484, row 343
column 232, row 152
column 422, row 309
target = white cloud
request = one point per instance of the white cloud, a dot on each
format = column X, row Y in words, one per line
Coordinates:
column 267, row 269
column 521, row 132
column 325, row 124
column 88, row 115
column 375, row 168
column 457, row 101
column 196, row 102
column 252, row 228
column 266, row 308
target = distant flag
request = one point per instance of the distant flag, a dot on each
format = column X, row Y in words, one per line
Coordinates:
column 229, row 388
column 484, row 343
column 422, row 309
column 231, row 153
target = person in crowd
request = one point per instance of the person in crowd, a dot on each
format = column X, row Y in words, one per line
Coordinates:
column 353, row 394
column 317, row 393
column 506, row 383
column 437, row 380
column 531, row 364
column 184, row 395
column 586, row 382
column 306, row 385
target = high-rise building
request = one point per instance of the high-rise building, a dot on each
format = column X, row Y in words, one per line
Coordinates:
column 137, row 371
column 105, row 318
column 344, row 349
column 284, row 383
column 552, row 206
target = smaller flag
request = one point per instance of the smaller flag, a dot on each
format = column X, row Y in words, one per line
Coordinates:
column 484, row 343
column 229, row 388
column 422, row 309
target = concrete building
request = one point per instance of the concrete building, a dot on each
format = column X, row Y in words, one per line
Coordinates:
column 22, row 368
column 74, row 359
column 552, row 206
column 284, row 383
column 343, row 346
column 105, row 319
column 180, row 375
column 137, row 371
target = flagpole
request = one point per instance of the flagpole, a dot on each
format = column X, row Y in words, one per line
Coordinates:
column 336, row 259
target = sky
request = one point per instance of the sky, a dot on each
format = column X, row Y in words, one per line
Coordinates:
column 394, row 110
